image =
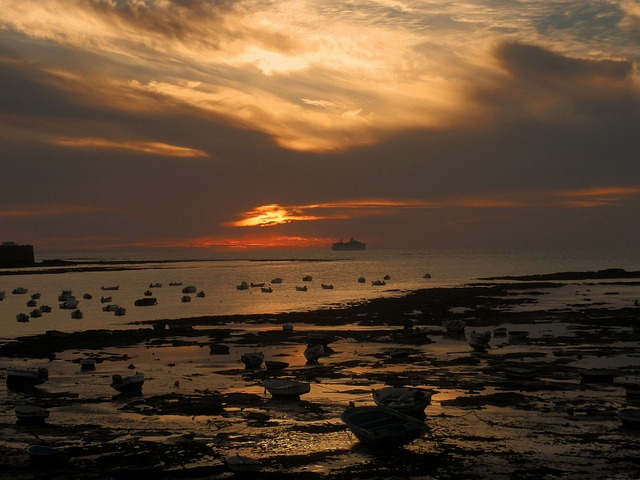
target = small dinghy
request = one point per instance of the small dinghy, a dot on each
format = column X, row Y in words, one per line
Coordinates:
column 31, row 414
column 252, row 359
column 520, row 373
column 275, row 365
column 630, row 417
column 313, row 352
column 43, row 455
column 243, row 464
column 407, row 400
column 286, row 388
column 26, row 377
column 129, row 384
column 87, row 364
column 598, row 375
column 381, row 427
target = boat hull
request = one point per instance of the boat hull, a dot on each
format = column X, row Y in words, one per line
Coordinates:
column 381, row 427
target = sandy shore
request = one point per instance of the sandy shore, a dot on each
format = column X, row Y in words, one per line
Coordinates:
column 197, row 408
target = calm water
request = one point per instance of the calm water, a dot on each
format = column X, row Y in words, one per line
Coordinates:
column 218, row 274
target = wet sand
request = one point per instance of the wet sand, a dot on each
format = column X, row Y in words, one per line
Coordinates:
column 197, row 408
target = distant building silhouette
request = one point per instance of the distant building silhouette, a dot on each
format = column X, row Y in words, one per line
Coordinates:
column 14, row 255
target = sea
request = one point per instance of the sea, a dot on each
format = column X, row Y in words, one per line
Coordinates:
column 216, row 275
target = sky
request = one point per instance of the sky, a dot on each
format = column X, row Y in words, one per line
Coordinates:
column 244, row 124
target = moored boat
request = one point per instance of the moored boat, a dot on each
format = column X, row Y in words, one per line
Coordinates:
column 26, row 377
column 88, row 364
column 454, row 325
column 313, row 352
column 597, row 375
column 145, row 302
column 381, row 427
column 218, row 348
column 520, row 372
column 275, row 365
column 630, row 417
column 127, row 384
column 31, row 414
column 286, row 388
column 409, row 400
column 243, row 464
column 252, row 359
column 44, row 455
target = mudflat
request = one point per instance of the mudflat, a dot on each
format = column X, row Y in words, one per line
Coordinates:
column 198, row 406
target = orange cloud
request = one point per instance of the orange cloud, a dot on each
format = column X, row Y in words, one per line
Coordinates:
column 153, row 148
column 274, row 214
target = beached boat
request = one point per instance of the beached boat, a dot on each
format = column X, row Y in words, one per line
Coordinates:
column 266, row 289
column 598, row 375
column 88, row 364
column 145, row 302
column 516, row 336
column 2, row 294
column 479, row 342
column 351, row 246
column 287, row 327
column 175, row 284
column 520, row 372
column 31, row 414
column 32, row 303
column 276, row 280
column 155, row 285
column 70, row 304
column 22, row 317
column 35, row 313
column 454, row 325
column 378, row 282
column 630, row 417
column 275, row 365
column 242, row 286
column 120, row 311
column 381, row 427
column 189, row 289
column 112, row 287
column 257, row 284
column 218, row 348
column 301, row 289
column 46, row 456
column 242, row 464
column 19, row 291
column 128, row 384
column 361, row 280
column 87, row 296
column 326, row 286
column 632, row 392
column 500, row 332
column 409, row 400
column 186, row 299
column 307, row 278
column 26, row 377
column 105, row 299
column 313, row 352
column 45, row 308
column 278, row 387
column 200, row 294
column 77, row 314
column 252, row 359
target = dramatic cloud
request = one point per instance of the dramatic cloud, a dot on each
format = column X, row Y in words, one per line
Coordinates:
column 383, row 118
